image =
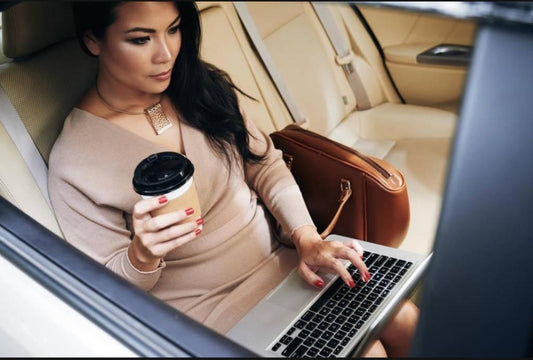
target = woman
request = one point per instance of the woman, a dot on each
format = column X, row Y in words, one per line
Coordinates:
column 215, row 268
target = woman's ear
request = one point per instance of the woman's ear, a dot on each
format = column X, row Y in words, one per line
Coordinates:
column 93, row 45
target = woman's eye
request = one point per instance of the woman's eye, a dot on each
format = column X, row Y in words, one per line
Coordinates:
column 140, row 40
column 174, row 29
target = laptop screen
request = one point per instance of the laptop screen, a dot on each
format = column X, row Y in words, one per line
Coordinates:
column 478, row 295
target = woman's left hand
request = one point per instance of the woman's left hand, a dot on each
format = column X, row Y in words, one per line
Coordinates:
column 316, row 253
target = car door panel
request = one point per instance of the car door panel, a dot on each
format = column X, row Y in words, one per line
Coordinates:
column 403, row 36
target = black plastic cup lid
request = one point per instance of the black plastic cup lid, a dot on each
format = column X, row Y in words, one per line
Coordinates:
column 162, row 173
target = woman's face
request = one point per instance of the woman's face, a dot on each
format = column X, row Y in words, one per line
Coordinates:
column 140, row 48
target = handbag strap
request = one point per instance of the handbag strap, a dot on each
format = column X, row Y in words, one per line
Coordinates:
column 346, row 192
column 345, row 56
column 246, row 19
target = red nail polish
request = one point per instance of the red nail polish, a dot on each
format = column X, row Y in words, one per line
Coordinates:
column 163, row 199
column 352, row 284
column 319, row 283
column 367, row 275
column 197, row 231
column 189, row 211
column 199, row 221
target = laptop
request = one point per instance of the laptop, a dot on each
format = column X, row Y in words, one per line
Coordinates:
column 297, row 320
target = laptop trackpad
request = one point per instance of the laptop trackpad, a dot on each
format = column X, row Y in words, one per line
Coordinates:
column 294, row 293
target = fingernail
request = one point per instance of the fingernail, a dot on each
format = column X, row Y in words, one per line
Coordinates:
column 351, row 283
column 367, row 275
column 199, row 221
column 189, row 211
column 197, row 231
column 319, row 283
column 163, row 199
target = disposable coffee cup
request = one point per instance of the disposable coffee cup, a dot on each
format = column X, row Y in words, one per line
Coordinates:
column 171, row 174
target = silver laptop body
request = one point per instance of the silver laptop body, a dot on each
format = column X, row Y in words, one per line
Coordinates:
column 275, row 327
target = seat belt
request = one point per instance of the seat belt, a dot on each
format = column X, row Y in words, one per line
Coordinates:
column 242, row 10
column 24, row 143
column 345, row 56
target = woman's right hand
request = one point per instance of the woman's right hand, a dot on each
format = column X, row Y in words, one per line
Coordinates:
column 156, row 236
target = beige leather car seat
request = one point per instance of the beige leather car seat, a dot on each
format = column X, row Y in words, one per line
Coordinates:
column 44, row 79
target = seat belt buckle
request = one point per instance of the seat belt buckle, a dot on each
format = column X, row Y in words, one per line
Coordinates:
column 346, row 62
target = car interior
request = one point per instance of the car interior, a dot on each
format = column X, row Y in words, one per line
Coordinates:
column 409, row 119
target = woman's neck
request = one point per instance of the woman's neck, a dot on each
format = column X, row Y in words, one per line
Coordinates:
column 122, row 99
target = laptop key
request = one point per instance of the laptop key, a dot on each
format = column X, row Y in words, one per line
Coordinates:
column 325, row 352
column 323, row 325
column 347, row 312
column 320, row 343
column 332, row 343
column 390, row 262
column 400, row 263
column 292, row 346
column 308, row 315
column 285, row 340
column 380, row 260
column 291, row 330
column 316, row 334
column 395, row 269
column 346, row 340
column 370, row 260
column 336, row 310
column 312, row 352
column 338, row 350
column 346, row 327
column 330, row 318
column 311, row 326
column 300, row 351
column 341, row 319
column 327, row 335
column 324, row 311
column 334, row 327
column 303, row 334
column 339, row 335
column 276, row 346
column 353, row 319
column 318, row 318
column 309, row 341
column 352, row 332
column 300, row 324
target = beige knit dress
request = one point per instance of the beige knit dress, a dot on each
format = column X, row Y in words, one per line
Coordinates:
column 215, row 278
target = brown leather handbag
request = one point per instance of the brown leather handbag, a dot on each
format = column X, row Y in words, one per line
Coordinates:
column 347, row 193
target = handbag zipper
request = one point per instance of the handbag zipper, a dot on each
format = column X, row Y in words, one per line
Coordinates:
column 369, row 161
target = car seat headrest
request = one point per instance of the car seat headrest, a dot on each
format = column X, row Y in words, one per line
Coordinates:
column 30, row 26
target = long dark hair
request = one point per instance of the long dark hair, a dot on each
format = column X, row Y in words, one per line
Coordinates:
column 202, row 93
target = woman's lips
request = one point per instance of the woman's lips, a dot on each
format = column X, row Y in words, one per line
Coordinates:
column 162, row 76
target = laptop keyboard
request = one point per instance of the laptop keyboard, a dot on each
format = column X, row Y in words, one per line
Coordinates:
column 338, row 314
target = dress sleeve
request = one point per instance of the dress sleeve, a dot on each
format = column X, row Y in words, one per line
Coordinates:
column 98, row 231
column 274, row 183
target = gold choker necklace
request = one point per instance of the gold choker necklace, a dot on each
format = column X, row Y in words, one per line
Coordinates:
column 159, row 120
